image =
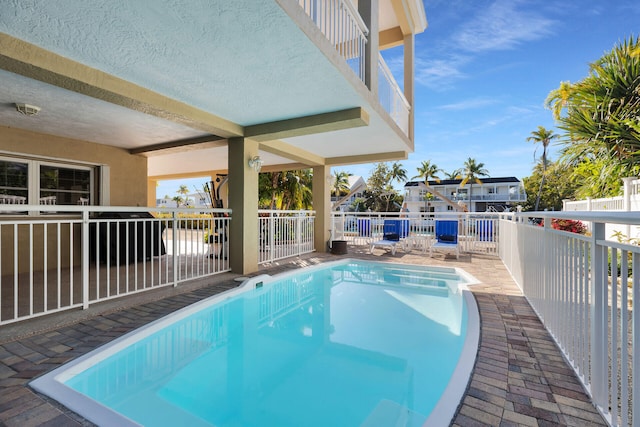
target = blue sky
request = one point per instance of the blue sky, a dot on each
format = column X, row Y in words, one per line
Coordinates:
column 484, row 69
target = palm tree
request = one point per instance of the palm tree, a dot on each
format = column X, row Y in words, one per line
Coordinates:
column 558, row 99
column 542, row 136
column 296, row 191
column 428, row 171
column 182, row 193
column 471, row 172
column 340, row 184
column 455, row 174
column 398, row 173
column 179, row 200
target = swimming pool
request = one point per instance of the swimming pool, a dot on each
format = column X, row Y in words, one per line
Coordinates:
column 347, row 343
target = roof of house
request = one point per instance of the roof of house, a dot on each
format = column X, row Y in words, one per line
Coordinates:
column 458, row 181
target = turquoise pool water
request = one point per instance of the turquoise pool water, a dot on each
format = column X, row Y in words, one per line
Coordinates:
column 349, row 344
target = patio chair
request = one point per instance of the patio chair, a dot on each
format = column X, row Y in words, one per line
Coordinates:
column 389, row 241
column 446, row 237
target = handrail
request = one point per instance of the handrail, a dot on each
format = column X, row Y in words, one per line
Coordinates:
column 343, row 26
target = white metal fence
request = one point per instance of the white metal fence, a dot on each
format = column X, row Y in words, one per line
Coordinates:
column 477, row 231
column 583, row 288
column 342, row 25
column 74, row 256
column 284, row 234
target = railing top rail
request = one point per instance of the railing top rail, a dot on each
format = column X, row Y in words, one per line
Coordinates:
column 77, row 208
column 631, row 218
column 276, row 211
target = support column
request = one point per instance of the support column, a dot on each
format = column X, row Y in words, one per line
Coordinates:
column 409, row 76
column 322, row 206
column 243, row 200
column 152, row 184
column 368, row 11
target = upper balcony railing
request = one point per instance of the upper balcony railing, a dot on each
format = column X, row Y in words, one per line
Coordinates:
column 341, row 24
column 391, row 96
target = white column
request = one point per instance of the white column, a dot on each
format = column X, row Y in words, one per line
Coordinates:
column 322, row 206
column 243, row 200
column 409, row 76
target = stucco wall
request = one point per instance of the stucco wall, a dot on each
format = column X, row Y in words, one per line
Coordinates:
column 128, row 173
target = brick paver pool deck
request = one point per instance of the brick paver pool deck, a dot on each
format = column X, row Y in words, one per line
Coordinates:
column 520, row 377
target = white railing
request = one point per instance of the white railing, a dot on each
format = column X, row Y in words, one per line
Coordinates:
column 342, row 25
column 605, row 204
column 391, row 97
column 74, row 256
column 284, row 234
column 584, row 299
column 477, row 231
column 629, row 201
column 474, row 197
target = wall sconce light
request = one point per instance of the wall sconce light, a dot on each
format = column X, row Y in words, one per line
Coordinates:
column 256, row 163
column 26, row 109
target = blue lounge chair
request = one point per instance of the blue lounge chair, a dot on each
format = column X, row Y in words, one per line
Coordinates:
column 446, row 237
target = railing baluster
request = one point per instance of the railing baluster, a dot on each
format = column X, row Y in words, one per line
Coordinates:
column 635, row 355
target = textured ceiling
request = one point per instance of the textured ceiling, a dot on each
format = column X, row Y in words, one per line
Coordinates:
column 245, row 61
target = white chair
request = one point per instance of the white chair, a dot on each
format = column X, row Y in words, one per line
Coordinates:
column 48, row 200
column 446, row 237
column 389, row 241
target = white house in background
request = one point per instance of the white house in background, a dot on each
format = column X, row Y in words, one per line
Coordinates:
column 357, row 185
column 191, row 200
column 494, row 194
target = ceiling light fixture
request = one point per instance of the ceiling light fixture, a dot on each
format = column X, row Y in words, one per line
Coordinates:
column 27, row 109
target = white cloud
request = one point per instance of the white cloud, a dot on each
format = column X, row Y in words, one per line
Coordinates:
column 439, row 74
column 469, row 104
column 503, row 25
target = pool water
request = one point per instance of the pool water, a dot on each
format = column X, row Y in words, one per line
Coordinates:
column 350, row 344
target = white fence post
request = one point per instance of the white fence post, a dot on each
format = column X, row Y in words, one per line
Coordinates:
column 174, row 244
column 272, row 236
column 635, row 386
column 598, row 315
column 299, row 233
column 85, row 258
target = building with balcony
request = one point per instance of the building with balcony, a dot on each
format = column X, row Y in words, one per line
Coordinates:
column 494, row 194
column 100, row 100
column 357, row 185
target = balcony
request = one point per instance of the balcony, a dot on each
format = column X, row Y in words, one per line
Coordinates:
column 342, row 25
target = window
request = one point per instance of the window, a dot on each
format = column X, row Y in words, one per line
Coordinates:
column 64, row 186
column 14, row 182
column 36, row 182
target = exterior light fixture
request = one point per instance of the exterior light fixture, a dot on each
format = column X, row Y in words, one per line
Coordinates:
column 256, row 163
column 27, row 109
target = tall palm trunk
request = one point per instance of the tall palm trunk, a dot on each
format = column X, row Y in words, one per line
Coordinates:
column 540, row 190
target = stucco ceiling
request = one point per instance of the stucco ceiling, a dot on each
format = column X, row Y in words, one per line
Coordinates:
column 245, row 61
